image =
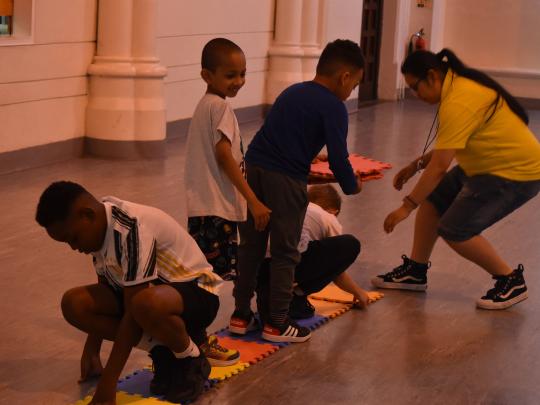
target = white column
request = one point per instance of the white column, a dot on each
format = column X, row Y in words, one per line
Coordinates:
column 285, row 64
column 126, row 104
column 310, row 37
column 295, row 51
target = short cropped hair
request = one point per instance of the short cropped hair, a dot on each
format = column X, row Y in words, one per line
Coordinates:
column 338, row 53
column 325, row 196
column 214, row 49
column 56, row 201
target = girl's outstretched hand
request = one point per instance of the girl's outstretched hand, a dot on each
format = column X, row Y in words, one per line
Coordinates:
column 403, row 176
column 395, row 217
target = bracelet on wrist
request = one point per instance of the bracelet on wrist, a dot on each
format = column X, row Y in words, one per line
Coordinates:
column 410, row 202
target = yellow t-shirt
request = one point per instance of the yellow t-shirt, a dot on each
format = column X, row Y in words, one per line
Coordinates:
column 503, row 146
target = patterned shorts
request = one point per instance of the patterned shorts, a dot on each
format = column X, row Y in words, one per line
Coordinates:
column 218, row 240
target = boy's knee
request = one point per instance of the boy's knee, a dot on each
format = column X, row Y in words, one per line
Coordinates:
column 73, row 305
column 144, row 307
column 352, row 245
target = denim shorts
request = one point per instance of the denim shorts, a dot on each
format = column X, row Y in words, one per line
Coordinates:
column 468, row 205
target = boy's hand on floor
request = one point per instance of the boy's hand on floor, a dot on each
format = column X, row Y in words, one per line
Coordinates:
column 90, row 366
column 261, row 215
column 364, row 298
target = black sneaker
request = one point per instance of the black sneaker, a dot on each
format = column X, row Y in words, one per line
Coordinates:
column 508, row 290
column 288, row 332
column 300, row 307
column 162, row 364
column 187, row 379
column 409, row 276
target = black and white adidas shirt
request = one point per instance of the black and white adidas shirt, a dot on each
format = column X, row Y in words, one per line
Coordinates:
column 143, row 243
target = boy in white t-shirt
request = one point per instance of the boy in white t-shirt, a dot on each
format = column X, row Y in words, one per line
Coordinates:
column 218, row 195
column 326, row 254
column 155, row 289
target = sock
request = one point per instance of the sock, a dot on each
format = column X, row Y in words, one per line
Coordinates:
column 191, row 351
column 147, row 342
column 278, row 318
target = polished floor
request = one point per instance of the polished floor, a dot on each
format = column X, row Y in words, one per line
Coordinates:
column 409, row 348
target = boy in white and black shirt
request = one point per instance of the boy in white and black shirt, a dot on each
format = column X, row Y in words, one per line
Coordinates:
column 155, row 289
column 326, row 254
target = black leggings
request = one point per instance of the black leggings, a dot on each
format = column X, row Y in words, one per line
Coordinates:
column 320, row 264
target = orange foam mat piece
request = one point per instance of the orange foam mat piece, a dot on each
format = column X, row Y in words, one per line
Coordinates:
column 222, row 373
column 124, row 399
column 250, row 352
column 329, row 309
column 368, row 168
column 333, row 293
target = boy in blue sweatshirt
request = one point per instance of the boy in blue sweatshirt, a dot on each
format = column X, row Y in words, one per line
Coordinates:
column 304, row 118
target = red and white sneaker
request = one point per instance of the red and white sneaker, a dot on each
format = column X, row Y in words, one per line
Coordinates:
column 240, row 324
column 288, row 332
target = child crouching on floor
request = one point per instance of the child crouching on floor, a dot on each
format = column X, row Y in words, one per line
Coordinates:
column 154, row 290
column 326, row 255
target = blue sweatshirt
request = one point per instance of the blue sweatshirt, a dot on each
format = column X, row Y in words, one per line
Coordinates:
column 305, row 117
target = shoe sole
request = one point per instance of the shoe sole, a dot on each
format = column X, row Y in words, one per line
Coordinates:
column 377, row 282
column 285, row 339
column 482, row 304
column 222, row 363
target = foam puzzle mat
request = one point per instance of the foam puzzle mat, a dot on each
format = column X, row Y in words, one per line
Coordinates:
column 134, row 388
column 367, row 168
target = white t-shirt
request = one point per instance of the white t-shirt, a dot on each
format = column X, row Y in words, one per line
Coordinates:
column 143, row 243
column 318, row 224
column 208, row 189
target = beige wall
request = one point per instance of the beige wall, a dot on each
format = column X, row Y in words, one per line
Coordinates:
column 499, row 36
column 43, row 77
column 183, row 31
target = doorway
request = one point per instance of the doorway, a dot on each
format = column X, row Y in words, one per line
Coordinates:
column 371, row 46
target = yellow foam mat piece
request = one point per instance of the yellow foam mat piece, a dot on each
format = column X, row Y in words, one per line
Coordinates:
column 334, row 294
column 123, row 399
column 329, row 309
column 222, row 373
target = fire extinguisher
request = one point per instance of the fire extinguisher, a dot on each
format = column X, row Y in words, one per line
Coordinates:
column 417, row 41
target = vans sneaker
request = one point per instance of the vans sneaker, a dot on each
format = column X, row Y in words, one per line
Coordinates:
column 409, row 276
column 508, row 290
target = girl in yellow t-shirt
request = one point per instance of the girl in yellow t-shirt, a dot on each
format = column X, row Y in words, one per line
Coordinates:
column 484, row 128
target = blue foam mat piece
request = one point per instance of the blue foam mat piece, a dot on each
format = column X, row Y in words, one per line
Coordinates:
column 314, row 322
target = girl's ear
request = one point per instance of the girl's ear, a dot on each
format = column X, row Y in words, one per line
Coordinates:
column 206, row 76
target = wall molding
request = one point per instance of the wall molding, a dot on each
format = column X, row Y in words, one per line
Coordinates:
column 40, row 155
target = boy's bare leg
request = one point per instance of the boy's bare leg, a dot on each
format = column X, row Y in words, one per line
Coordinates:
column 158, row 311
column 92, row 309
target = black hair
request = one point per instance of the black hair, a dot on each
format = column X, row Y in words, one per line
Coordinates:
column 420, row 62
column 56, row 201
column 325, row 196
column 214, row 49
column 338, row 53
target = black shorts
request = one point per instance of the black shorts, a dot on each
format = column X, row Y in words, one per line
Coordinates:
column 200, row 307
column 470, row 204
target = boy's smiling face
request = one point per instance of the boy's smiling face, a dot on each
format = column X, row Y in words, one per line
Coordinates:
column 229, row 76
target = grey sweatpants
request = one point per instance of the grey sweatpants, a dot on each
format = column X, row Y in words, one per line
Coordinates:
column 288, row 200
